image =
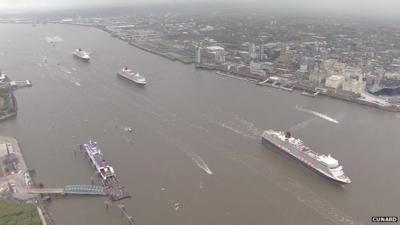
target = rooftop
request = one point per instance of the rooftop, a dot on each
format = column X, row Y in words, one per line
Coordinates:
column 336, row 77
column 215, row 48
column 3, row 150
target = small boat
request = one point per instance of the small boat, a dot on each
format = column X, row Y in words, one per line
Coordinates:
column 287, row 87
column 79, row 53
column 262, row 83
column 276, row 84
column 310, row 94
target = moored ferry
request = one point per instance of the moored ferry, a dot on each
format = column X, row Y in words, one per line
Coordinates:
column 97, row 159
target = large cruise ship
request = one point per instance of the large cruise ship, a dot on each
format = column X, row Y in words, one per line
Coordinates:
column 325, row 165
column 81, row 54
column 132, row 76
column 96, row 157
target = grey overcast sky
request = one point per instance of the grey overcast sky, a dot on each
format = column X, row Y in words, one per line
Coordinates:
column 382, row 8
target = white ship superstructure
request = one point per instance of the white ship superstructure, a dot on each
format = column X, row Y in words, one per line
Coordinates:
column 132, row 76
column 324, row 164
column 96, row 157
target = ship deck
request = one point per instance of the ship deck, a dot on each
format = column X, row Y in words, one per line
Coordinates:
column 112, row 186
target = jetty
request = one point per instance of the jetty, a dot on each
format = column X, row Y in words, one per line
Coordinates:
column 71, row 190
column 20, row 83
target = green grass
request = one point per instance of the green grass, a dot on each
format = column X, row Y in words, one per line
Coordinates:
column 6, row 103
column 4, row 92
column 18, row 214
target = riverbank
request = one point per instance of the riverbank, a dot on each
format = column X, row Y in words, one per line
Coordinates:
column 300, row 87
column 18, row 213
column 8, row 106
column 14, row 184
column 347, row 96
column 168, row 55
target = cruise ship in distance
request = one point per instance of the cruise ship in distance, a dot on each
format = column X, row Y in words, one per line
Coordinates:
column 97, row 159
column 132, row 76
column 325, row 165
column 79, row 53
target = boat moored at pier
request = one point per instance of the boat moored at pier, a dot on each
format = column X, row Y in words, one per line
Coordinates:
column 106, row 172
column 97, row 159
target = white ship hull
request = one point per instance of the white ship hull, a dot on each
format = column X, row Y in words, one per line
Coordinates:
column 131, row 76
column 304, row 158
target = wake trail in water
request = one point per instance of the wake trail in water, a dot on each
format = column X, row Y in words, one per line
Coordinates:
column 320, row 115
column 65, row 70
column 192, row 155
column 244, row 134
column 199, row 161
column 302, row 193
column 54, row 39
column 248, row 126
column 67, row 76
column 237, row 125
column 302, row 124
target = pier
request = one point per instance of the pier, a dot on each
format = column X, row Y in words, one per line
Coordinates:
column 122, row 209
column 115, row 190
column 20, row 83
column 71, row 190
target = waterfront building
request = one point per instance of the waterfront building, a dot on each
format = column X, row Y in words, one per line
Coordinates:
column 303, row 68
column 3, row 77
column 261, row 55
column 354, row 81
column 197, row 54
column 258, row 68
column 252, row 51
column 8, row 159
column 334, row 81
column 316, row 76
column 218, row 53
column 325, row 69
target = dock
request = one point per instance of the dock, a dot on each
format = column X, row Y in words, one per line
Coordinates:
column 115, row 190
column 20, row 83
column 71, row 190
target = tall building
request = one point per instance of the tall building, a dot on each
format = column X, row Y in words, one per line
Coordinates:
column 325, row 69
column 252, row 51
column 261, row 52
column 354, row 81
column 218, row 53
column 197, row 54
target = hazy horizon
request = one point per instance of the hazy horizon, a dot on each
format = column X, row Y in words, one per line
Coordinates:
column 365, row 8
